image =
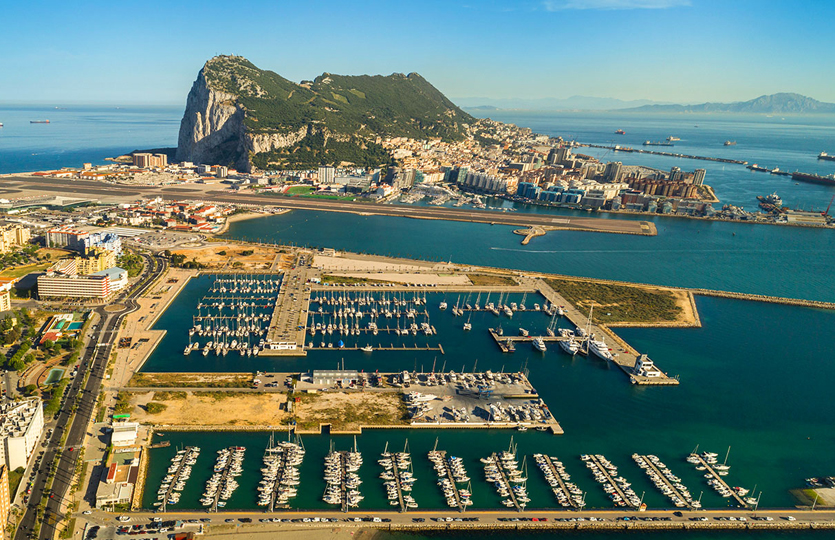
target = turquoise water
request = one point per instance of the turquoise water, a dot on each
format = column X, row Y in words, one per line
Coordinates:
column 54, row 375
column 780, row 261
column 729, row 381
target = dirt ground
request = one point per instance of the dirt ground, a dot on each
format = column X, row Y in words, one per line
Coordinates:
column 211, row 408
column 191, row 380
column 344, row 411
column 261, row 258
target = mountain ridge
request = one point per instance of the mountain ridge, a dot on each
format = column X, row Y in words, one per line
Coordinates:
column 239, row 114
column 780, row 103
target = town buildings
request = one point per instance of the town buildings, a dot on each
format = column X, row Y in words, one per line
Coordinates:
column 5, row 497
column 21, row 425
column 62, row 279
column 13, row 236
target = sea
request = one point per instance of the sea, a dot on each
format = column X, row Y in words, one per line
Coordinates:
column 756, row 378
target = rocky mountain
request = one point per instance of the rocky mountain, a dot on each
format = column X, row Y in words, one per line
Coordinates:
column 783, row 103
column 238, row 114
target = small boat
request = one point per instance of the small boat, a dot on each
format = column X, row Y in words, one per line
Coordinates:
column 367, row 348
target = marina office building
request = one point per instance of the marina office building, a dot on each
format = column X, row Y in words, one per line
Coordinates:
column 21, row 425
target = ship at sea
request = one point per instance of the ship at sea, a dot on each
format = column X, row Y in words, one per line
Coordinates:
column 657, row 143
column 730, row 143
column 620, row 132
column 771, row 203
column 38, row 121
column 671, row 138
column 828, row 180
column 823, row 155
column 755, row 167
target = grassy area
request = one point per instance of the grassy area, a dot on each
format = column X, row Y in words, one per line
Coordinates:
column 20, row 271
column 123, row 405
column 619, row 303
column 348, row 280
column 54, row 403
column 299, row 190
column 191, row 380
column 15, row 477
column 155, row 408
column 490, row 280
column 350, row 416
column 166, row 396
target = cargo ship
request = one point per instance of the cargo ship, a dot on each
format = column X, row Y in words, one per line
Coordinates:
column 671, row 139
column 823, row 155
column 828, row 180
column 760, row 168
column 730, row 143
column 38, row 121
column 620, row 132
column 771, row 203
column 657, row 143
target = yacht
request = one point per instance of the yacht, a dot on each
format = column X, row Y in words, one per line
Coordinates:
column 569, row 345
column 599, row 348
column 367, row 348
column 539, row 344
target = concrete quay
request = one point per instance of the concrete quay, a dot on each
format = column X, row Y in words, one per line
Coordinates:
column 286, row 334
column 625, row 358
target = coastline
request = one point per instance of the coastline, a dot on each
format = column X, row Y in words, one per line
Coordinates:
column 246, row 216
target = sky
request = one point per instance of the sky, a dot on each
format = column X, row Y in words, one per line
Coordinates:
column 684, row 51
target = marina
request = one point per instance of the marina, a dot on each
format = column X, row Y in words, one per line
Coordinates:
column 281, row 474
column 398, row 478
column 342, row 478
column 451, row 472
column 567, row 493
column 715, row 472
column 222, row 484
column 175, row 481
column 664, row 479
column 502, row 470
column 617, row 488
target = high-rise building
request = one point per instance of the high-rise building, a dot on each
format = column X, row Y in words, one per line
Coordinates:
column 12, row 236
column 327, row 174
column 5, row 497
column 612, row 171
column 699, row 177
column 676, row 175
column 95, row 259
column 144, row 160
column 5, row 293
column 21, row 424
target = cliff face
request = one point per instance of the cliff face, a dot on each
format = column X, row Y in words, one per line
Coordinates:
column 236, row 113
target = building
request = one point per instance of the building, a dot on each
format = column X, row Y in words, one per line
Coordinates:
column 117, row 277
column 331, row 377
column 95, row 260
column 327, row 175
column 612, row 171
column 62, row 280
column 12, row 236
column 21, row 425
column 5, row 497
column 66, row 237
column 124, row 434
column 5, row 293
column 144, row 160
column 699, row 177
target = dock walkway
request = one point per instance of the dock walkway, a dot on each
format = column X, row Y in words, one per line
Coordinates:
column 605, row 472
column 651, row 466
column 512, row 495
column 449, row 475
column 285, row 336
column 736, row 496
column 560, row 481
column 624, row 358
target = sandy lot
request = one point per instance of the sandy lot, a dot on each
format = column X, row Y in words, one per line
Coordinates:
column 212, row 408
column 344, row 411
column 260, row 259
column 410, row 279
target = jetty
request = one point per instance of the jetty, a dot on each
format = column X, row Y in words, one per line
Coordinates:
column 285, row 336
column 718, row 478
column 500, row 466
column 549, row 464
column 603, row 470
column 179, row 477
column 618, row 148
column 661, row 479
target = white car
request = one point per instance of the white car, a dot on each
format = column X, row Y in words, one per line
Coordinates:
column 791, row 518
column 87, row 512
column 123, row 519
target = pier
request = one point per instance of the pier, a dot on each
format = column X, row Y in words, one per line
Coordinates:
column 611, row 481
column 650, row 465
column 448, row 484
column 618, row 148
column 378, row 348
column 500, row 466
column 285, row 336
column 736, row 496
column 549, row 464
column 180, row 476
column 396, row 481
column 626, row 359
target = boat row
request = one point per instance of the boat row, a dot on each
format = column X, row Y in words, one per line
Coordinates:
column 502, row 470
column 667, row 483
column 617, row 488
column 342, row 480
column 398, row 478
column 280, row 473
column 451, row 471
column 179, row 471
column 566, row 492
column 222, row 484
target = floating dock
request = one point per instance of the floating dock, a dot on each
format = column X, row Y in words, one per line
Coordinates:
column 736, row 496
column 605, row 472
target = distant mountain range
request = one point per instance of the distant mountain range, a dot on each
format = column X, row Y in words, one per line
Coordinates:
column 782, row 103
column 551, row 104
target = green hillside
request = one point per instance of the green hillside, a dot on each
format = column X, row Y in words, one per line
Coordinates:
column 357, row 108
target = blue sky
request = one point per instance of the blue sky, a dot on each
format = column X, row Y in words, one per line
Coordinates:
column 665, row 50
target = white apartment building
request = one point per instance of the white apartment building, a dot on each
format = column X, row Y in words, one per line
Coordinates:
column 21, row 425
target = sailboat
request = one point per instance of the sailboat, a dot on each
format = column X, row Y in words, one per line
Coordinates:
column 467, row 325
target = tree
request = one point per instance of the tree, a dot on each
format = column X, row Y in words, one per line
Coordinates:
column 30, row 389
column 48, row 344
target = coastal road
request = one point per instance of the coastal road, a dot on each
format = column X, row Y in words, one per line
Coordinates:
column 80, row 401
column 81, row 188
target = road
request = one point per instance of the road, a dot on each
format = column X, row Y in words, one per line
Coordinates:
column 95, row 355
column 91, row 188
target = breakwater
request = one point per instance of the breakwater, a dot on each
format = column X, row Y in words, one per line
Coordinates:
column 618, row 148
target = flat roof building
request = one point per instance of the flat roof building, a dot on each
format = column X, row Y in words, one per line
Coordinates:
column 21, row 425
